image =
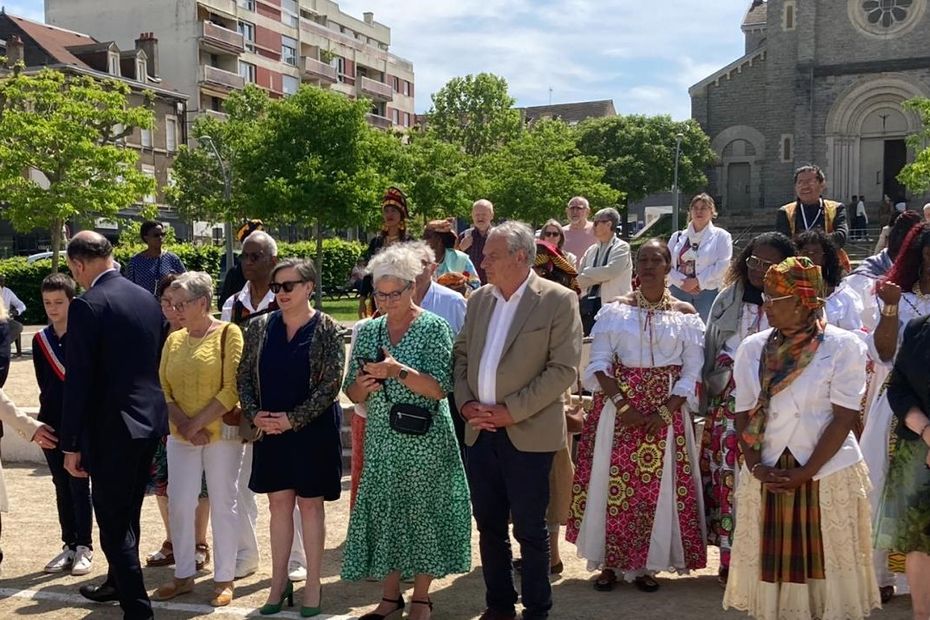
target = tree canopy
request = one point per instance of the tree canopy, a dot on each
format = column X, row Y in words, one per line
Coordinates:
column 916, row 175
column 61, row 156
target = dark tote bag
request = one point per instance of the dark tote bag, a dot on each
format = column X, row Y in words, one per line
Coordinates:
column 590, row 304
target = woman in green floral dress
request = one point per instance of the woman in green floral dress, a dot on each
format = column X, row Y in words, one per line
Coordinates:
column 412, row 518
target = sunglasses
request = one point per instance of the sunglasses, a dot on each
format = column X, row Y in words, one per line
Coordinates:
column 768, row 299
column 252, row 257
column 392, row 296
column 287, row 287
column 757, row 264
column 158, row 235
column 552, row 233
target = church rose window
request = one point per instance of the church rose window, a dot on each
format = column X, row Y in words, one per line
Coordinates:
column 886, row 19
column 886, row 12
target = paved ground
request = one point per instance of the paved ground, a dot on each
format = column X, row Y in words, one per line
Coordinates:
column 30, row 539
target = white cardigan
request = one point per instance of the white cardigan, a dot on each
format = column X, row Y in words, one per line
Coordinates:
column 22, row 424
column 713, row 257
column 615, row 278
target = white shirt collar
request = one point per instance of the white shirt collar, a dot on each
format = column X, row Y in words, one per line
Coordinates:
column 517, row 294
column 245, row 296
column 101, row 275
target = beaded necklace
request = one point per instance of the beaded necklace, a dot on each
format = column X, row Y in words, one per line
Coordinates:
column 646, row 324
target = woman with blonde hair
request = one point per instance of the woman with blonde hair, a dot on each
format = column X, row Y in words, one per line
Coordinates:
column 700, row 256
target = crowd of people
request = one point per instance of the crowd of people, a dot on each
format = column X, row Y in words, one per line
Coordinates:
column 773, row 403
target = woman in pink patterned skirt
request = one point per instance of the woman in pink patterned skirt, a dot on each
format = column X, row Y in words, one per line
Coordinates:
column 637, row 506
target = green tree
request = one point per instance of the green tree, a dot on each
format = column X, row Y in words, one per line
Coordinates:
column 533, row 177
column 476, row 113
column 916, row 175
column 638, row 153
column 61, row 152
column 309, row 161
column 198, row 189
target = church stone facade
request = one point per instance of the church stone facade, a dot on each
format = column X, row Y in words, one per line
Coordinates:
column 821, row 81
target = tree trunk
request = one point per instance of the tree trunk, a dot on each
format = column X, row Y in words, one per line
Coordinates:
column 318, row 263
column 56, row 243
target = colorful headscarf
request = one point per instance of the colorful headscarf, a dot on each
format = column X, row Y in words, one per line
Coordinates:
column 393, row 197
column 551, row 264
column 784, row 359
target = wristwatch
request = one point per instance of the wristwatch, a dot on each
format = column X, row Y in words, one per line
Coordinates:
column 402, row 375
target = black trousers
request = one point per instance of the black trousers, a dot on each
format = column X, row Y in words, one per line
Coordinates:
column 507, row 484
column 120, row 469
column 75, row 513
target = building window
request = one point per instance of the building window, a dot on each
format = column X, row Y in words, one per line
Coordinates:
column 406, row 119
column 339, row 64
column 406, row 88
column 146, row 138
column 290, row 13
column 289, row 50
column 886, row 12
column 171, row 134
column 247, row 31
column 248, row 5
column 788, row 21
column 395, row 82
column 149, row 171
column 395, row 117
column 787, row 148
column 141, row 71
column 114, row 64
column 289, row 84
column 247, row 71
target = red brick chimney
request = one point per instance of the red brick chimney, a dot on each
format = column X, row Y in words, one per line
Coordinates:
column 149, row 44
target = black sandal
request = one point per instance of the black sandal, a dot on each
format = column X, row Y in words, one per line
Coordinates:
column 400, row 607
column 886, row 593
column 605, row 581
column 427, row 602
column 646, row 583
column 722, row 576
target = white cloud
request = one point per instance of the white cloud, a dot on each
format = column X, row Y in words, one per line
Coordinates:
column 30, row 9
column 582, row 49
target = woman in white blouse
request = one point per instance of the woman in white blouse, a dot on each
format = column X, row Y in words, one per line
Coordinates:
column 636, row 507
column 843, row 307
column 700, row 256
column 803, row 544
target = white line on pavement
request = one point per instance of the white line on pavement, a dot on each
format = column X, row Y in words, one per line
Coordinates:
column 242, row 612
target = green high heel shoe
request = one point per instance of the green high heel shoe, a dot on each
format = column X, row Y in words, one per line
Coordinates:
column 309, row 612
column 270, row 609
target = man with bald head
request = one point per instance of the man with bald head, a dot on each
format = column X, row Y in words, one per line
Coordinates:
column 579, row 232
column 114, row 411
column 472, row 240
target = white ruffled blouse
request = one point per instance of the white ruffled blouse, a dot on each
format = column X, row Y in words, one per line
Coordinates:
column 844, row 309
column 621, row 334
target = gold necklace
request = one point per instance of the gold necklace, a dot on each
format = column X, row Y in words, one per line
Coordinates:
column 919, row 292
column 646, row 324
column 664, row 303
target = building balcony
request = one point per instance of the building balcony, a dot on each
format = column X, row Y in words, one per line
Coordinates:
column 317, row 70
column 220, row 116
column 379, row 122
column 226, row 7
column 220, row 79
column 219, row 40
column 375, row 90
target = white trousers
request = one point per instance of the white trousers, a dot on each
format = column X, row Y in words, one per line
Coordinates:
column 220, row 461
column 248, row 554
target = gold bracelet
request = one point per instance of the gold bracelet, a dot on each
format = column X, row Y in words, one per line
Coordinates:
column 890, row 310
column 665, row 414
column 623, row 408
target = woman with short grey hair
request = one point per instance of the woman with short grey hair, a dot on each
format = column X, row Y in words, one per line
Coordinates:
column 198, row 376
column 412, row 516
column 606, row 269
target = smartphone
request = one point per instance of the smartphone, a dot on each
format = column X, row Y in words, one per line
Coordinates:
column 361, row 361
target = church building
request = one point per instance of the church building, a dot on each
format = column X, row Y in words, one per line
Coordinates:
column 821, row 81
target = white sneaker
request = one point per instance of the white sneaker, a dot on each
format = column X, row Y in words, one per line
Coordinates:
column 296, row 572
column 244, row 570
column 83, row 561
column 61, row 562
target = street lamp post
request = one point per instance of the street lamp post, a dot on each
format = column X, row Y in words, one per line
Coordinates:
column 678, row 139
column 227, row 195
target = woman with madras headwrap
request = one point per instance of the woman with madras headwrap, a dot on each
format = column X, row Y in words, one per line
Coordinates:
column 803, row 546
column 637, row 503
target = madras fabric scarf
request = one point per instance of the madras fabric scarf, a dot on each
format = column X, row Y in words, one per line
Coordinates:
column 781, row 362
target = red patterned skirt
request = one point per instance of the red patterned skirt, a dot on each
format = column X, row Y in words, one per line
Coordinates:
column 648, row 485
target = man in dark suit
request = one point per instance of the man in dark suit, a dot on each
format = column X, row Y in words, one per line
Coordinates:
column 114, row 411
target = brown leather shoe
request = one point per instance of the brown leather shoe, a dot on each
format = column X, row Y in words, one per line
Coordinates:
column 173, row 588
column 493, row 614
column 222, row 593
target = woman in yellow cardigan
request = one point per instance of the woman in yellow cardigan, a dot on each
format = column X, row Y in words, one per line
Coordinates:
column 198, row 376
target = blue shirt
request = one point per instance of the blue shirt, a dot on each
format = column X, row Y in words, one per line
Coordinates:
column 447, row 304
column 147, row 271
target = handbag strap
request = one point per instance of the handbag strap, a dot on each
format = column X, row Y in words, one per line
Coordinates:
column 596, row 289
column 382, row 345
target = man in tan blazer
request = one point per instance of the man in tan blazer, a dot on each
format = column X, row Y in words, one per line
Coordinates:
column 514, row 358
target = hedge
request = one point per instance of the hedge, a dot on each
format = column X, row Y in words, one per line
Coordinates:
column 339, row 257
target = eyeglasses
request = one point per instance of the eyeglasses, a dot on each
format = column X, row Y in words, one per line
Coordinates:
column 603, row 221
column 178, row 307
column 768, row 299
column 392, row 296
column 252, row 257
column 552, row 233
column 288, row 286
column 757, row 264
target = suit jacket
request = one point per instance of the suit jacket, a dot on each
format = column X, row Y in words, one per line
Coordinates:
column 112, row 390
column 538, row 363
column 909, row 384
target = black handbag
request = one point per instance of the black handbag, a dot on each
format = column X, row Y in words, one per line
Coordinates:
column 590, row 304
column 407, row 418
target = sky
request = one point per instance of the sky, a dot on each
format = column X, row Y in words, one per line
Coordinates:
column 642, row 55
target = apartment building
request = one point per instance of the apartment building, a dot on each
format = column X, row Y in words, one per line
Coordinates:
column 136, row 64
column 211, row 48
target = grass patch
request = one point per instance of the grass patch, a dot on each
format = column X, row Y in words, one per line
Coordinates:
column 341, row 309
